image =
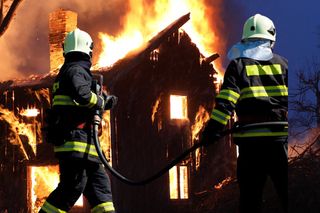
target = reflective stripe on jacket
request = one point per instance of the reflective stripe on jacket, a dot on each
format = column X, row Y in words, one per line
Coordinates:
column 257, row 91
column 103, row 207
column 75, row 103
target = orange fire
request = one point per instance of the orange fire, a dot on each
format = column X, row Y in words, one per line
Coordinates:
column 144, row 20
column 155, row 109
column 105, row 138
column 30, row 112
column 223, row 183
column 201, row 118
column 43, row 95
column 43, row 180
column 18, row 128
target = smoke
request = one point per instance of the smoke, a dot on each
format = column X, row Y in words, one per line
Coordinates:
column 232, row 16
column 24, row 48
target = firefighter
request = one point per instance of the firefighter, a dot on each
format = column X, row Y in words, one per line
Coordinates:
column 74, row 104
column 255, row 87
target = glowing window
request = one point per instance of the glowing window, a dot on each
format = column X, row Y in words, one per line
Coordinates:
column 179, row 183
column 178, row 107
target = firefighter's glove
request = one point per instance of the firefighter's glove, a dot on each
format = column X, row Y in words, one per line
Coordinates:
column 109, row 101
column 209, row 134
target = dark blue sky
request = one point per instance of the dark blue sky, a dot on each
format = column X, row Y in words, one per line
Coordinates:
column 298, row 36
column 297, row 24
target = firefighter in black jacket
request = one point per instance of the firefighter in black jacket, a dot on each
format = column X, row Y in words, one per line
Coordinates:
column 255, row 86
column 74, row 104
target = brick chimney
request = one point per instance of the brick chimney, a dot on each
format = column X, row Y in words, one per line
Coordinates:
column 60, row 23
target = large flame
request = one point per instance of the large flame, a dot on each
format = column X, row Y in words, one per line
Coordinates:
column 143, row 20
column 105, row 138
column 43, row 180
column 17, row 129
column 201, row 118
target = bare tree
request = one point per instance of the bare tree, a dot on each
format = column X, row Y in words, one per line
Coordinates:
column 6, row 19
column 304, row 101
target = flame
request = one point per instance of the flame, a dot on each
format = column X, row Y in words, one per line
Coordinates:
column 143, row 20
column 30, row 112
column 201, row 118
column 105, row 138
column 43, row 180
column 155, row 109
column 223, row 183
column 18, row 128
column 116, row 48
column 43, row 95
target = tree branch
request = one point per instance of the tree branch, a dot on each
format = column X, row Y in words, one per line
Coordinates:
column 8, row 18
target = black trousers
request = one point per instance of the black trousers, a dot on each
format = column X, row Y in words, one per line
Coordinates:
column 79, row 176
column 259, row 159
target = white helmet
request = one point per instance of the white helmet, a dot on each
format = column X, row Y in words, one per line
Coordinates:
column 78, row 41
column 259, row 26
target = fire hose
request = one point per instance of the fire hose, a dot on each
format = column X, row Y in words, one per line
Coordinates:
column 236, row 128
column 97, row 84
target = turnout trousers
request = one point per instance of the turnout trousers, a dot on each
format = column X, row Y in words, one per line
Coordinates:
column 79, row 176
column 259, row 159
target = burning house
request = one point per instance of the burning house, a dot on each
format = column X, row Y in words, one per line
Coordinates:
column 166, row 91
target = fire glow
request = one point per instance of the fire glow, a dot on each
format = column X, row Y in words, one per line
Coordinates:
column 143, row 20
column 32, row 112
column 43, row 180
column 18, row 128
column 201, row 118
column 179, row 183
column 105, row 138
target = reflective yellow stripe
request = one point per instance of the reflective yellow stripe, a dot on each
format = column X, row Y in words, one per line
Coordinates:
column 93, row 100
column 229, row 95
column 220, row 116
column 103, row 207
column 49, row 208
column 264, row 91
column 64, row 100
column 77, row 146
column 262, row 132
column 256, row 70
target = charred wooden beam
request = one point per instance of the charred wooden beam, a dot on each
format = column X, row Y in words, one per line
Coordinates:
column 211, row 58
column 5, row 21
